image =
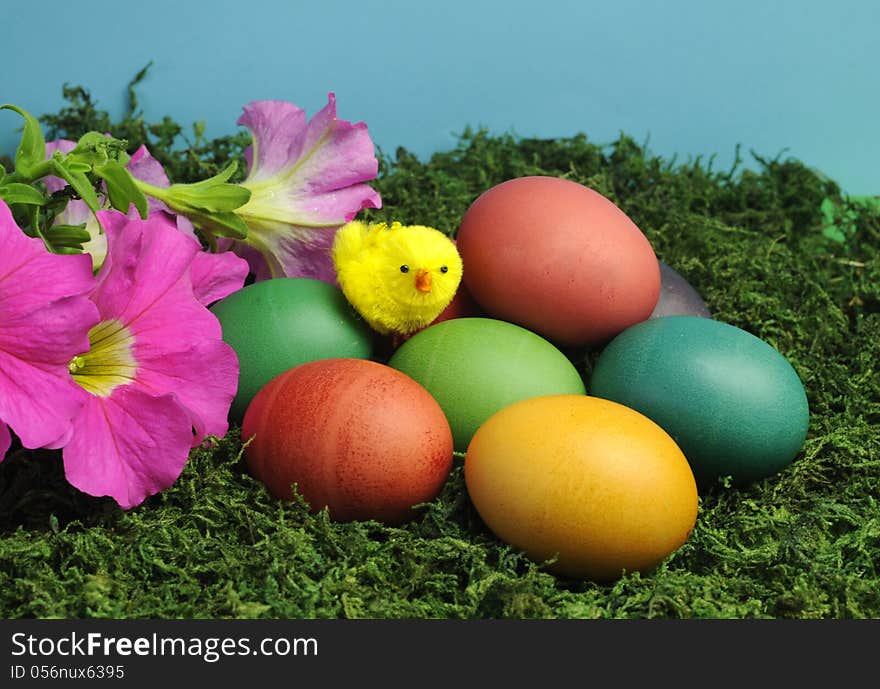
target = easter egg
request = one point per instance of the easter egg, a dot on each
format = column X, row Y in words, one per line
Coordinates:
column 277, row 324
column 677, row 296
column 475, row 366
column 732, row 402
column 558, row 258
column 587, row 480
column 355, row 436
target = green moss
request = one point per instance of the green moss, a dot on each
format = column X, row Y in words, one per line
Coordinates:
column 802, row 544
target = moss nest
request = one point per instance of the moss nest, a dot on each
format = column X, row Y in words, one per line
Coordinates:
column 802, row 544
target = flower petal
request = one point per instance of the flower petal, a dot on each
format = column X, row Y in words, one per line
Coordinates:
column 204, row 377
column 25, row 262
column 38, row 398
column 257, row 263
column 306, row 179
column 146, row 168
column 333, row 154
column 44, row 323
column 146, row 260
column 215, row 276
column 291, row 251
column 5, row 440
column 178, row 343
column 276, row 127
column 308, row 173
column 129, row 445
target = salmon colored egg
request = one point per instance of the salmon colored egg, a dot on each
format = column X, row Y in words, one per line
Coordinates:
column 356, row 436
column 591, row 481
column 558, row 258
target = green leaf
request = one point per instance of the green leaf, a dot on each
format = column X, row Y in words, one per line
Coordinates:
column 76, row 166
column 212, row 195
column 218, row 198
column 207, row 197
column 67, row 250
column 80, row 183
column 121, row 187
column 32, row 147
column 70, row 235
column 226, row 224
column 16, row 192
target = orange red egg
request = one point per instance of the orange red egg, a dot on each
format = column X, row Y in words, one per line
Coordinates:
column 355, row 436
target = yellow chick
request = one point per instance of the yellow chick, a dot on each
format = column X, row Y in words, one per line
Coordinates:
column 399, row 278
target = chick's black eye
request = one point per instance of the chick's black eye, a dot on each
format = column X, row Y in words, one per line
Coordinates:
column 404, row 268
column 444, row 269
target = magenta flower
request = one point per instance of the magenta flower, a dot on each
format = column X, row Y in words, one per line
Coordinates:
column 306, row 178
column 45, row 315
column 157, row 377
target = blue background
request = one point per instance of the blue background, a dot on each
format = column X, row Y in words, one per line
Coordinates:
column 689, row 78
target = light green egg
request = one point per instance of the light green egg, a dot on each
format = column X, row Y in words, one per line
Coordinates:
column 476, row 366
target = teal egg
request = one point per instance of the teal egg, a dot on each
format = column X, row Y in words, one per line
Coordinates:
column 474, row 367
column 277, row 324
column 735, row 405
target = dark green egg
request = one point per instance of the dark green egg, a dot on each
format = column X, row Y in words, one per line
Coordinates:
column 735, row 405
column 277, row 324
column 476, row 366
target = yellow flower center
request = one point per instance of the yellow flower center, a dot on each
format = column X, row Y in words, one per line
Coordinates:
column 109, row 362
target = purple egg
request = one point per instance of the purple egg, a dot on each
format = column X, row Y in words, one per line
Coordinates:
column 678, row 297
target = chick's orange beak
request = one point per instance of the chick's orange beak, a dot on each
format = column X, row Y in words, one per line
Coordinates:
column 423, row 281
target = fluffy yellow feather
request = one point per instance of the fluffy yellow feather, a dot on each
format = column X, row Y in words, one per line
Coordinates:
column 399, row 278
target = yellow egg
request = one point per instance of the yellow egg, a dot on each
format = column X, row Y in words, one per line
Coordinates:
column 590, row 480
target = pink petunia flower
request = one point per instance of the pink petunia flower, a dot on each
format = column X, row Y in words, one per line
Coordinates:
column 45, row 315
column 306, row 178
column 157, row 377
